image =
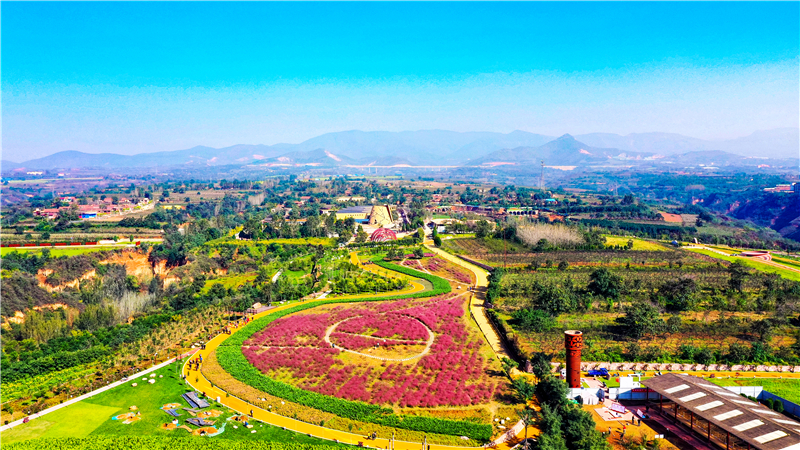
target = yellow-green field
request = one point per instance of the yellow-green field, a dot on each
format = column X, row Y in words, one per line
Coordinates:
column 59, row 251
column 788, row 388
column 638, row 244
column 230, row 281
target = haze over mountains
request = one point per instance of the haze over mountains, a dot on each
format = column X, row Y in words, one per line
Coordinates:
column 439, row 147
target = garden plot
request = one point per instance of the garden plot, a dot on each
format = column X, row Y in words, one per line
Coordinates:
column 409, row 353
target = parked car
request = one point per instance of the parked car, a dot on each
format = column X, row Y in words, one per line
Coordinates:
column 599, row 373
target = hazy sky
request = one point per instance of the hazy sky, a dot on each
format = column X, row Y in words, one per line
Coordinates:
column 138, row 77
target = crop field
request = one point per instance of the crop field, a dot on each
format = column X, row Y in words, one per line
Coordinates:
column 50, row 180
column 56, row 252
column 644, row 253
column 788, row 388
column 23, row 388
column 94, row 416
column 638, row 243
column 407, row 353
column 476, row 246
column 712, row 318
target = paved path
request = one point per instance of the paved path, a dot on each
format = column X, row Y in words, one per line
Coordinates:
column 477, row 301
column 91, row 394
column 755, row 259
column 199, row 382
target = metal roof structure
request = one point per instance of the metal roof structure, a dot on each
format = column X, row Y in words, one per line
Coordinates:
column 755, row 424
column 365, row 209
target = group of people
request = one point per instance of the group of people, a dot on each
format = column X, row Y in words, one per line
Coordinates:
column 195, row 363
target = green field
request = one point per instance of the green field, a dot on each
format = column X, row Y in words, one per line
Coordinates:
column 93, row 417
column 328, row 242
column 788, row 274
column 788, row 388
column 60, row 251
column 51, row 180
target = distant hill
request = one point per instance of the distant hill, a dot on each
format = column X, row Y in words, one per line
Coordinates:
column 777, row 143
column 8, row 165
column 564, row 151
column 436, row 147
column 318, row 157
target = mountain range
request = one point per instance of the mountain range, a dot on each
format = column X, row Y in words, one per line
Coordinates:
column 440, row 147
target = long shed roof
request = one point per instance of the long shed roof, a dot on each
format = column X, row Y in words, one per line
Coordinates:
column 751, row 422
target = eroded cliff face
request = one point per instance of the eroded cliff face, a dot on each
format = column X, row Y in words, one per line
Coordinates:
column 42, row 275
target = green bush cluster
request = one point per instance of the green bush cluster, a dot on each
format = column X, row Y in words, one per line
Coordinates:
column 233, row 361
column 58, row 361
column 440, row 285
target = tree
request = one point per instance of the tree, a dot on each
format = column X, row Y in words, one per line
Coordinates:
column 552, row 391
column 677, row 295
column 764, row 329
column 482, row 229
column 437, row 241
column 737, row 353
column 361, row 235
column 642, row 319
column 507, row 364
column 418, row 252
column 524, row 390
column 541, row 366
column 563, row 265
column 605, row 284
column 527, row 417
column 580, row 431
column 738, row 273
column 534, row 320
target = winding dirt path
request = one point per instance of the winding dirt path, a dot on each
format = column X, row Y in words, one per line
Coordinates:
column 476, row 304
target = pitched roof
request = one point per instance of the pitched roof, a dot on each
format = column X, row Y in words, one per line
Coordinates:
column 751, row 422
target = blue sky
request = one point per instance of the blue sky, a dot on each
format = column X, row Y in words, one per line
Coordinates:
column 146, row 76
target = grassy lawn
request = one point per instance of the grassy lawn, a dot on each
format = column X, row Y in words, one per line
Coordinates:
column 294, row 275
column 638, row 244
column 788, row 274
column 59, row 251
column 94, row 416
column 788, row 388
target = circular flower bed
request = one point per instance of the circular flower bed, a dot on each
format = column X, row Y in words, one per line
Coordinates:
column 410, row 353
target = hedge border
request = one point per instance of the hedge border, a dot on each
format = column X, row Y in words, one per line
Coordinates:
column 233, row 361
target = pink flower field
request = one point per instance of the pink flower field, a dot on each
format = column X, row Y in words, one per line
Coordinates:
column 441, row 267
column 451, row 373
